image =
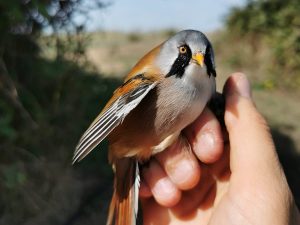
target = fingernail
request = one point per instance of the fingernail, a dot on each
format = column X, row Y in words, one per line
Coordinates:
column 238, row 84
column 243, row 86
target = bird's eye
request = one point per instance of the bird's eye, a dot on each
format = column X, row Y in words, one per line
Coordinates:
column 182, row 49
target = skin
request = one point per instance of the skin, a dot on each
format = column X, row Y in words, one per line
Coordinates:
column 215, row 182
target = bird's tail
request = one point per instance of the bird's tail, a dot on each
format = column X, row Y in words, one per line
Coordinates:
column 124, row 203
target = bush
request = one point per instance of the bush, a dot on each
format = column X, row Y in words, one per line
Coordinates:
column 277, row 22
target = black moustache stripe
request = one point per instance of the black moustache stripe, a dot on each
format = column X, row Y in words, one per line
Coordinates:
column 180, row 63
column 209, row 61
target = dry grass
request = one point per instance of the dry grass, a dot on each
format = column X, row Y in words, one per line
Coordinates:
column 113, row 54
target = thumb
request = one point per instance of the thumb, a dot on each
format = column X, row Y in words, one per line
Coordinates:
column 251, row 145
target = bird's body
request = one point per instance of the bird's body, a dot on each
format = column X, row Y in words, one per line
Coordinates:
column 171, row 106
column 166, row 91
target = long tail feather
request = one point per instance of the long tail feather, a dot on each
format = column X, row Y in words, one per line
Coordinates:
column 124, row 204
column 111, row 209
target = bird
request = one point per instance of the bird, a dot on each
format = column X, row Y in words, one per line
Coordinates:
column 161, row 95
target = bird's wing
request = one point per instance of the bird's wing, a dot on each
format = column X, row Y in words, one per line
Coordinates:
column 125, row 98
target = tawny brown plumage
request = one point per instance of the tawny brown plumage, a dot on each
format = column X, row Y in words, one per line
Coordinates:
column 163, row 93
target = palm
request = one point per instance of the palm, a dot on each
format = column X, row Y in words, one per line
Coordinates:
column 197, row 204
column 210, row 202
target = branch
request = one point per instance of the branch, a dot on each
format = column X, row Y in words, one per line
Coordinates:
column 9, row 91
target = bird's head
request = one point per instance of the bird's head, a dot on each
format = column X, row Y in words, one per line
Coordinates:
column 186, row 50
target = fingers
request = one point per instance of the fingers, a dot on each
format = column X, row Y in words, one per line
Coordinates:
column 252, row 147
column 163, row 189
column 205, row 137
column 171, row 171
column 180, row 164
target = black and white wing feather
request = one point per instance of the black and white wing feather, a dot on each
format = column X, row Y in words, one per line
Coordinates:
column 111, row 118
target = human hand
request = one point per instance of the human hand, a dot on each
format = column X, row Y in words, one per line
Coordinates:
column 239, row 181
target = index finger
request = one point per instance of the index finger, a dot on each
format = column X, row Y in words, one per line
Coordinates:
column 205, row 137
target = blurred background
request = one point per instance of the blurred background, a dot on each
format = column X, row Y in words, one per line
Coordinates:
column 60, row 61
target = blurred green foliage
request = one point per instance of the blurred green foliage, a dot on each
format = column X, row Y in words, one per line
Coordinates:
column 278, row 24
column 45, row 104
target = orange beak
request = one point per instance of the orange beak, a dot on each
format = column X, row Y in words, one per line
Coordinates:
column 198, row 58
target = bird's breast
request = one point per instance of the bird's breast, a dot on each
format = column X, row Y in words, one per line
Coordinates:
column 179, row 104
column 158, row 119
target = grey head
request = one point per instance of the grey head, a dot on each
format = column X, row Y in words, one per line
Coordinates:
column 184, row 48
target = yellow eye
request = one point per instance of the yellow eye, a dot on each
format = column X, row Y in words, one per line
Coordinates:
column 182, row 49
